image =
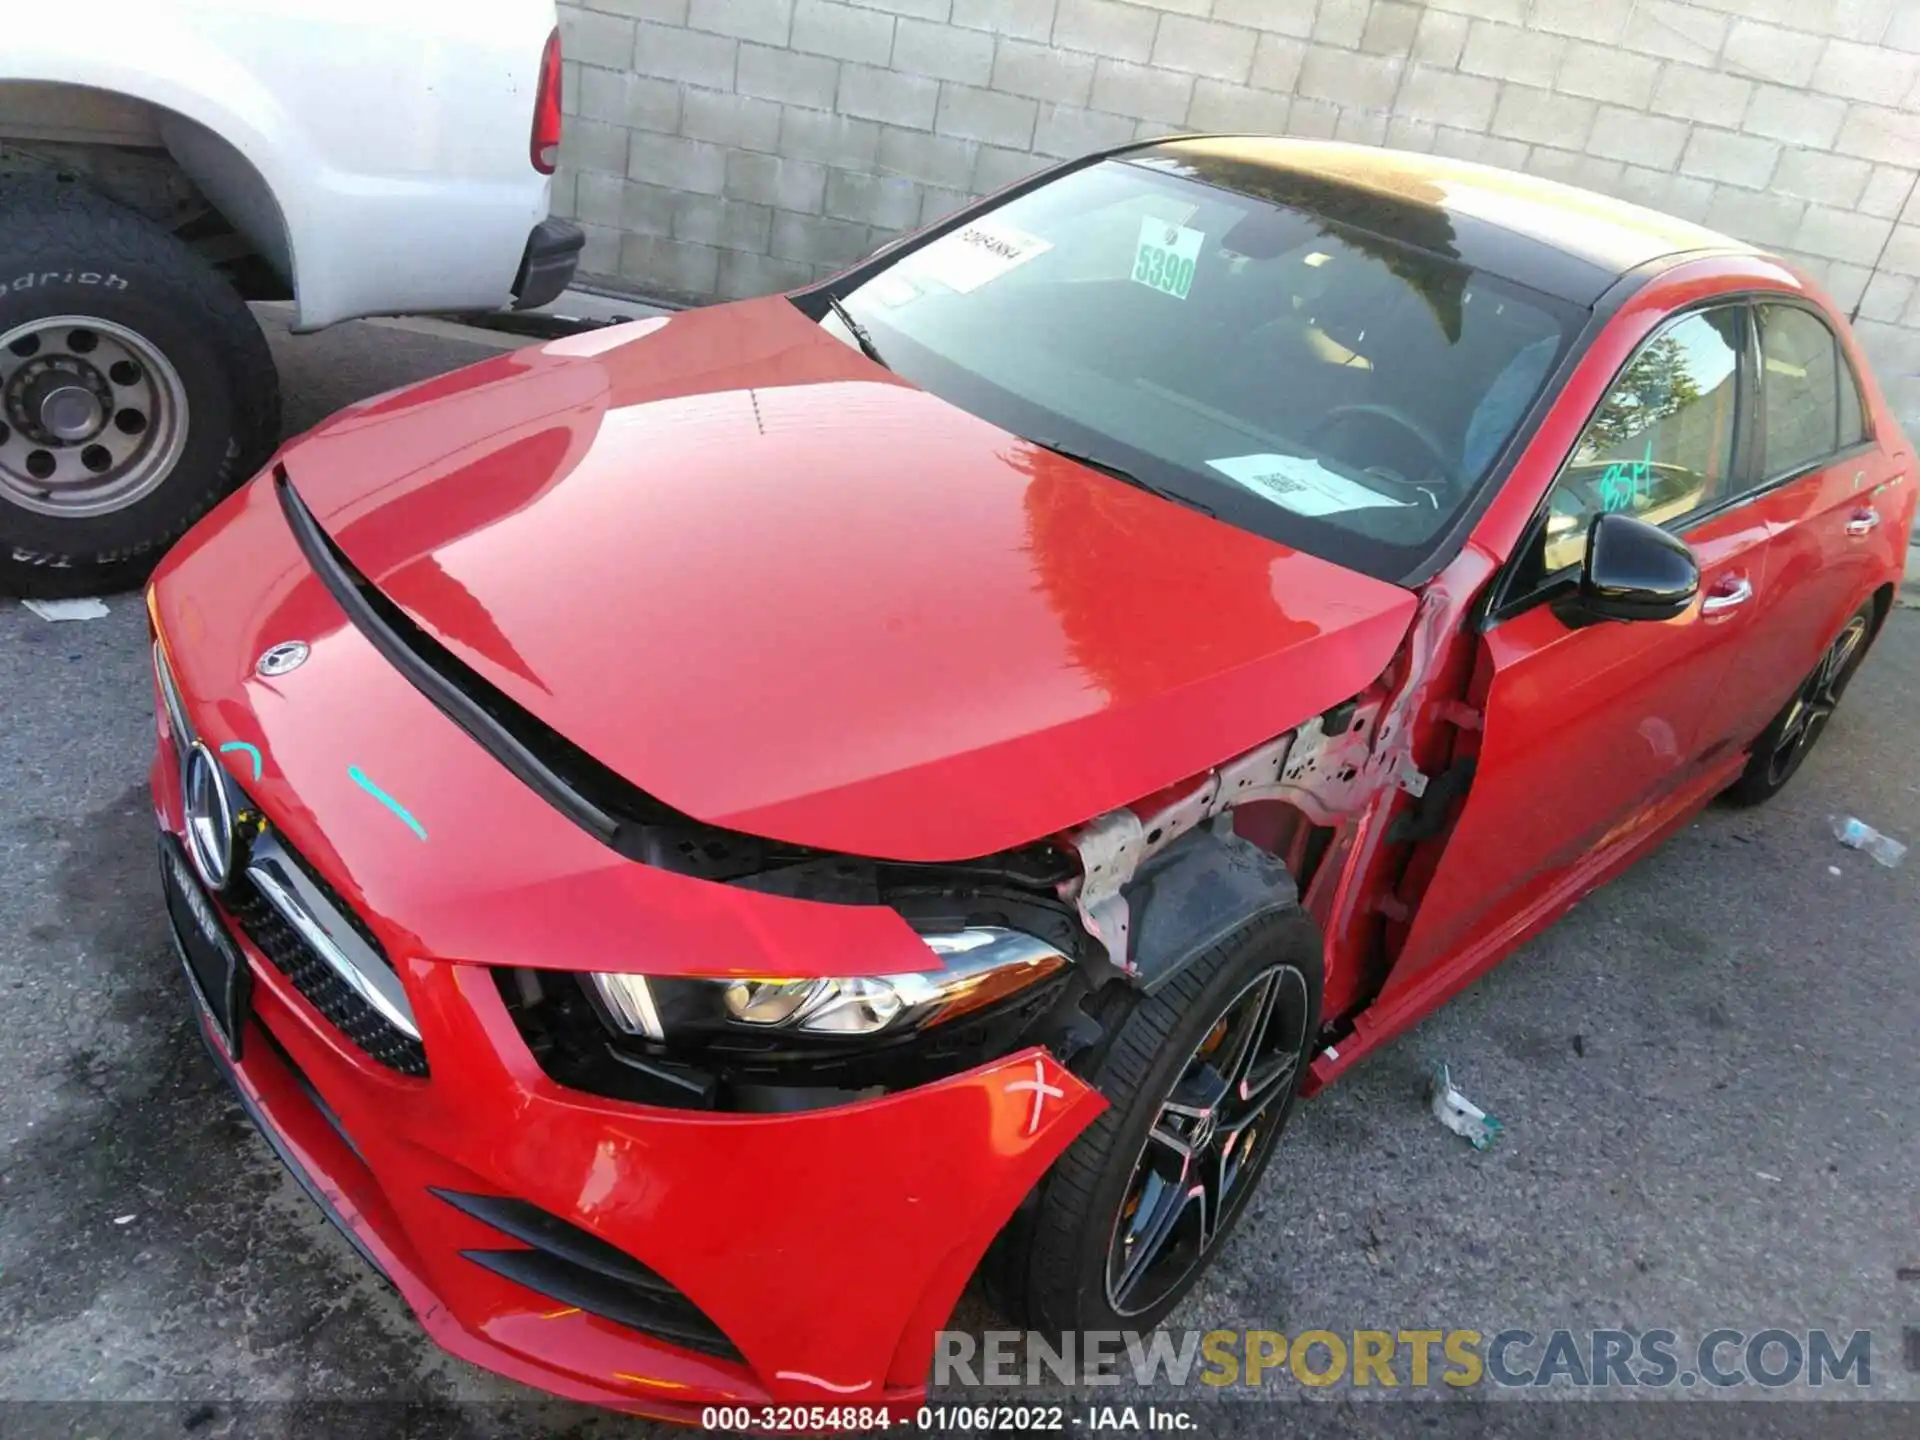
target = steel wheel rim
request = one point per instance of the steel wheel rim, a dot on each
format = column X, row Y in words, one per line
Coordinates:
column 92, row 416
column 1813, row 705
column 1197, row 1165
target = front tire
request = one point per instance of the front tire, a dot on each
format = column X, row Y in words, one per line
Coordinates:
column 135, row 391
column 1786, row 742
column 1201, row 1077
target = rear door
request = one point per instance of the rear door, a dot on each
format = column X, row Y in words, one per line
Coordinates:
column 1589, row 728
column 1816, row 474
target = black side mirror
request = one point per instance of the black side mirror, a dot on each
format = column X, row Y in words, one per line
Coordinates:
column 1634, row 570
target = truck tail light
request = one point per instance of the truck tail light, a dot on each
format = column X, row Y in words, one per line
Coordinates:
column 545, row 144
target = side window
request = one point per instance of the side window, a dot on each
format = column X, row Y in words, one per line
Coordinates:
column 1853, row 420
column 1800, row 383
column 1853, row 423
column 1661, row 443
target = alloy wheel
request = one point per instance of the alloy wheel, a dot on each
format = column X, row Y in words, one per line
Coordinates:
column 1812, row 707
column 92, row 416
column 1203, row 1152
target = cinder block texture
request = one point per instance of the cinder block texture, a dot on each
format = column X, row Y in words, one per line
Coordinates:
column 722, row 148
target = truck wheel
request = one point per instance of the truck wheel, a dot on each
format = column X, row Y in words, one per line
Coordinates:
column 135, row 391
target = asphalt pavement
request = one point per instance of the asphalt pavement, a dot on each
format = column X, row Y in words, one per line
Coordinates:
column 1707, row 1075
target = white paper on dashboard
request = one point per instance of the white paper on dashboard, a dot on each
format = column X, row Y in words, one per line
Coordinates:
column 978, row 252
column 1301, row 485
column 895, row 290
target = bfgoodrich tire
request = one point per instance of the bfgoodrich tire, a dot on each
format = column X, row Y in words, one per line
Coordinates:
column 1178, row 1079
column 135, row 391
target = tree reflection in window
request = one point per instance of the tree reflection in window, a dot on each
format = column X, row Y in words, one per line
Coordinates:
column 1660, row 445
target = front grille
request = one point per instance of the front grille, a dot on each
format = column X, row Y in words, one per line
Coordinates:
column 313, row 977
column 568, row 1264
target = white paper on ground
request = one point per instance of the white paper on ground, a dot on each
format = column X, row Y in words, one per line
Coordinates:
column 976, row 253
column 67, row 609
column 1303, row 486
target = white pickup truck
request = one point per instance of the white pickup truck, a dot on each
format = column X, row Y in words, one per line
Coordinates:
column 162, row 162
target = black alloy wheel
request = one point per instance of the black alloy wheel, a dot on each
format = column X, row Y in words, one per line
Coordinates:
column 1200, row 1076
column 1207, row 1146
column 1785, row 744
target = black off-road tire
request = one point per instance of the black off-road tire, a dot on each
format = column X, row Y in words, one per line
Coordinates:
column 66, row 250
column 1048, row 1271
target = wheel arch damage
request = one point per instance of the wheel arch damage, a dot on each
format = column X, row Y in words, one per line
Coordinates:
column 1198, row 891
column 1328, row 815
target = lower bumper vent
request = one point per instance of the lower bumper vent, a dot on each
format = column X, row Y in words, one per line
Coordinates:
column 568, row 1264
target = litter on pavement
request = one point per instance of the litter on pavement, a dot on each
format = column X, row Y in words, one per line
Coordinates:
column 1459, row 1114
column 88, row 609
column 1858, row 835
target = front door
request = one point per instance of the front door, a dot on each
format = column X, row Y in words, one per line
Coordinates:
column 1589, row 727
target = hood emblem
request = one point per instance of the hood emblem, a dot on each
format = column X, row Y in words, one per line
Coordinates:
column 279, row 659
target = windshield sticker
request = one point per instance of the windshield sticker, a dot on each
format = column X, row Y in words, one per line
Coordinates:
column 1165, row 257
column 976, row 253
column 894, row 291
column 1301, row 485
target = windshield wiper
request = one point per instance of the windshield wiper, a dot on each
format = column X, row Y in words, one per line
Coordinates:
column 857, row 330
column 1118, row 472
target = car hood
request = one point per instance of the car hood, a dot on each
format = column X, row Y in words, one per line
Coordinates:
column 785, row 592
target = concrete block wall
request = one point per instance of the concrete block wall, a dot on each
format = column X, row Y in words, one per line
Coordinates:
column 725, row 148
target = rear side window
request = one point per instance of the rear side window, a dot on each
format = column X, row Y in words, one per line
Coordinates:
column 1853, row 422
column 1661, row 444
column 1810, row 406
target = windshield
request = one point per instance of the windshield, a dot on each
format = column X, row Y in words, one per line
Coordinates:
column 1295, row 375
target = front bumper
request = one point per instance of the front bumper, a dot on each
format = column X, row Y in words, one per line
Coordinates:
column 826, row 1247
column 546, row 269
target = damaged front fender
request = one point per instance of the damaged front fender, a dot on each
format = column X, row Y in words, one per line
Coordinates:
column 1116, row 846
column 1195, row 894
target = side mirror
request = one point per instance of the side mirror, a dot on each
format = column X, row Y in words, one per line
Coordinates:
column 1634, row 570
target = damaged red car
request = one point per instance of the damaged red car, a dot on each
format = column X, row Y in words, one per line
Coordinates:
column 697, row 839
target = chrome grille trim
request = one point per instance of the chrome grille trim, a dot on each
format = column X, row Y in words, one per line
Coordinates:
column 285, row 886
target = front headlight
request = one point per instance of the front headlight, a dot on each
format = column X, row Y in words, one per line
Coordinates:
column 982, row 966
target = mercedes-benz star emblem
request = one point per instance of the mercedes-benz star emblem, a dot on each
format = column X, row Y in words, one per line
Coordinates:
column 279, row 659
column 209, row 813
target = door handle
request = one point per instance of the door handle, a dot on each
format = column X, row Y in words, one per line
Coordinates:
column 1728, row 593
column 1864, row 521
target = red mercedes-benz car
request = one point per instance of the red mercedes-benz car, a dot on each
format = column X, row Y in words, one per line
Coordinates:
column 697, row 839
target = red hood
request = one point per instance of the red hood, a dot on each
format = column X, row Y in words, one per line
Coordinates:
column 786, row 592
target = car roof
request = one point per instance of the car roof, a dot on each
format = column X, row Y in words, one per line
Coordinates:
column 1558, row 238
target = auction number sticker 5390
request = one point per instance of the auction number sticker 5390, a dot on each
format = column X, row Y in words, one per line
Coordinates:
column 1166, row 256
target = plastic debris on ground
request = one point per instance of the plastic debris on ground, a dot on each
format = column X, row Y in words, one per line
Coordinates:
column 1459, row 1114
column 88, row 609
column 1858, row 835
